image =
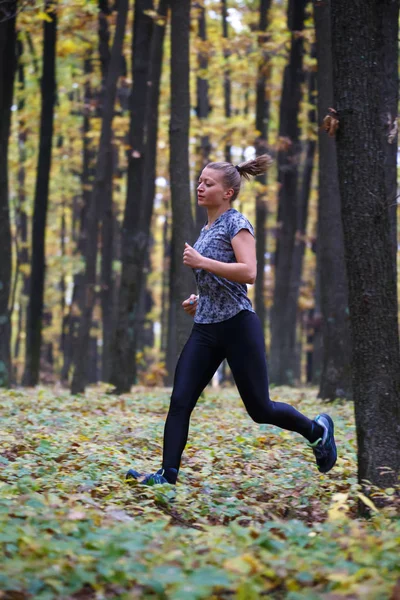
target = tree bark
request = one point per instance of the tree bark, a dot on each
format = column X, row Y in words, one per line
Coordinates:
column 203, row 109
column 96, row 202
column 388, row 15
column 373, row 305
column 7, row 73
column 38, row 261
column 282, row 335
column 72, row 320
column 181, row 281
column 335, row 379
column 140, row 199
column 107, row 217
column 21, row 216
column 262, row 118
column 227, row 76
column 300, row 238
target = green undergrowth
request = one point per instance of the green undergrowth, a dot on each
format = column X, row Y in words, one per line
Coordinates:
column 250, row 518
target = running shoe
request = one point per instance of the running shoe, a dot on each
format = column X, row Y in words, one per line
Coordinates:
column 325, row 448
column 150, row 479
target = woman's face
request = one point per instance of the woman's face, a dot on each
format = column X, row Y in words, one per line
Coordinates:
column 211, row 192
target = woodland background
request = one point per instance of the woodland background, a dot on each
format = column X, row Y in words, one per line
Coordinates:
column 108, row 112
column 238, row 57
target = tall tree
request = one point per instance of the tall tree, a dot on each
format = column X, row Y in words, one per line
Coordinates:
column 227, row 74
column 282, row 333
column 335, row 378
column 203, row 108
column 367, row 236
column 262, row 119
column 303, row 197
column 107, row 216
column 38, row 262
column 21, row 216
column 80, row 209
column 181, row 278
column 388, row 12
column 96, row 200
column 7, row 73
column 140, row 198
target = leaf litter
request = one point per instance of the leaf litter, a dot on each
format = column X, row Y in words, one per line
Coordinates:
column 250, row 517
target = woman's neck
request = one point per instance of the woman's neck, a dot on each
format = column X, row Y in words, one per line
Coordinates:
column 214, row 213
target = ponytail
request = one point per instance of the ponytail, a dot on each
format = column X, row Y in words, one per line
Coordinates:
column 233, row 173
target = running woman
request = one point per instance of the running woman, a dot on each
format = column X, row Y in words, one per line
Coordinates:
column 226, row 326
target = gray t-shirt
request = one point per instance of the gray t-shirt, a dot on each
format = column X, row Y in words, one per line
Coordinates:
column 219, row 298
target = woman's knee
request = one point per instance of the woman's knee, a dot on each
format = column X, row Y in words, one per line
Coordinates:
column 262, row 412
column 180, row 404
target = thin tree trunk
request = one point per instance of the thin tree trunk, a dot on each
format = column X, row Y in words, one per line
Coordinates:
column 281, row 371
column 38, row 264
column 227, row 75
column 336, row 373
column 203, row 108
column 165, row 287
column 7, row 72
column 72, row 320
column 138, row 214
column 182, row 280
column 262, row 119
column 300, row 236
column 96, row 201
column 367, row 238
column 107, row 217
column 21, row 216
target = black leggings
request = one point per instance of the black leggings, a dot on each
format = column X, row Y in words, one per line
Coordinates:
column 241, row 341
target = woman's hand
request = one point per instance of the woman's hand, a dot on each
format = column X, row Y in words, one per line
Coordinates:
column 192, row 258
column 190, row 305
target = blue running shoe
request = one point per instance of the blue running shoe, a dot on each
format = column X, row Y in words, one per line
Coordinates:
column 325, row 448
column 151, row 479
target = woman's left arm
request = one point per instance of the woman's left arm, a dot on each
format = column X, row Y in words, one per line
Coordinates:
column 242, row 271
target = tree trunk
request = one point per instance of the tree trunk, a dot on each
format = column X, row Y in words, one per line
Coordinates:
column 140, row 199
column 336, row 373
column 38, row 265
column 367, row 238
column 300, row 237
column 203, row 109
column 107, row 217
column 21, row 216
column 182, row 280
column 7, row 72
column 262, row 119
column 227, row 77
column 388, row 13
column 96, row 202
column 165, row 287
column 281, row 371
column 72, row 320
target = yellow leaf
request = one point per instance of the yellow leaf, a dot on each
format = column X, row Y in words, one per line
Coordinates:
column 44, row 17
column 367, row 502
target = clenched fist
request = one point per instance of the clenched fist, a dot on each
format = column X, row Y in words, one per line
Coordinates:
column 192, row 258
column 190, row 305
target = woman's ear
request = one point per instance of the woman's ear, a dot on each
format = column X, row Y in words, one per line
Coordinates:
column 229, row 193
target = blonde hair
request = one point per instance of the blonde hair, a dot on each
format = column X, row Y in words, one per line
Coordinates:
column 232, row 174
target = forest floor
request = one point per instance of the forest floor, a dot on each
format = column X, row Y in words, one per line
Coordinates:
column 251, row 516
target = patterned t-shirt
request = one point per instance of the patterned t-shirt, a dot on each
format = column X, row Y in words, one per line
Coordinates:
column 219, row 298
